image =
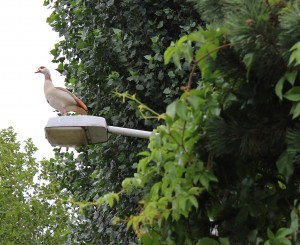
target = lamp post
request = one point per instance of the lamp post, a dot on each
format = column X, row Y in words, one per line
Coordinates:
column 82, row 130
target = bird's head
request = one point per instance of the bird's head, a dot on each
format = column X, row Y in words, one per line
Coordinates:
column 42, row 69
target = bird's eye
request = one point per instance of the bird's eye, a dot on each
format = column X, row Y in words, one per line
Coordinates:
column 42, row 67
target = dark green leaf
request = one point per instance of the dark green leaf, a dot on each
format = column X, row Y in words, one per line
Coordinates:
column 285, row 164
column 80, row 44
column 206, row 241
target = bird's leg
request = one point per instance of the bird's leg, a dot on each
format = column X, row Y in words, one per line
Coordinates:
column 64, row 112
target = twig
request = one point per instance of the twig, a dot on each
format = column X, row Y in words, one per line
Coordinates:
column 195, row 63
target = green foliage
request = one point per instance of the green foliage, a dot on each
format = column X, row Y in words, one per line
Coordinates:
column 30, row 212
column 226, row 155
column 172, row 170
column 208, row 42
column 109, row 46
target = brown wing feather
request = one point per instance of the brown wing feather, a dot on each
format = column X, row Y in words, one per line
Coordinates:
column 81, row 104
column 78, row 101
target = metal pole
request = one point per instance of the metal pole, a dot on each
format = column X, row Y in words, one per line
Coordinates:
column 129, row 132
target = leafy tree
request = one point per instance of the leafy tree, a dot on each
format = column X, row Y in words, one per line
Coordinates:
column 108, row 46
column 224, row 168
column 30, row 212
column 226, row 165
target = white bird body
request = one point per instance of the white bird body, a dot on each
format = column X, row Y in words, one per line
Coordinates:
column 60, row 98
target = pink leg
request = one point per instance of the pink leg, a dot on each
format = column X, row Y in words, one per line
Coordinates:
column 64, row 112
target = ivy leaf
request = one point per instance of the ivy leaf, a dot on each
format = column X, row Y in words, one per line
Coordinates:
column 80, row 44
column 110, row 3
column 73, row 81
column 139, row 87
column 60, row 67
column 148, row 57
column 167, row 91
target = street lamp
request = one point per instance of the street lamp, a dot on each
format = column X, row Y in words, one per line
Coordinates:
column 82, row 130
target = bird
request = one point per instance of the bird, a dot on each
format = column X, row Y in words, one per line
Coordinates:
column 60, row 98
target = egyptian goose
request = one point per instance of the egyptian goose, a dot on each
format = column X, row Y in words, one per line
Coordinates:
column 60, row 98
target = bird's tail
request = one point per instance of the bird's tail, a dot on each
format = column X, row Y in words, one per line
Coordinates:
column 81, row 111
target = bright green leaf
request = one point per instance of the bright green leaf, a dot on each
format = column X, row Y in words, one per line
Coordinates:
column 296, row 110
column 279, row 87
column 181, row 109
column 181, row 40
column 283, row 232
column 171, row 110
column 196, row 37
column 176, row 58
column 195, row 190
column 187, row 51
column 193, row 201
column 73, row 81
column 168, row 54
column 291, row 76
column 194, row 101
column 293, row 94
column 270, row 233
column 295, row 56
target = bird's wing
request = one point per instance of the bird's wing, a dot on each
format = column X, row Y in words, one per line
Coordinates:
column 78, row 101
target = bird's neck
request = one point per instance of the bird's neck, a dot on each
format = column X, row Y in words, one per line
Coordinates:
column 48, row 82
column 48, row 76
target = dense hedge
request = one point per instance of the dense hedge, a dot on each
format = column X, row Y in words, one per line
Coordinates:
column 224, row 168
column 108, row 46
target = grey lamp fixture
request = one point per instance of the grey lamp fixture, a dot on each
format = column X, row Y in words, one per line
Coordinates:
column 82, row 130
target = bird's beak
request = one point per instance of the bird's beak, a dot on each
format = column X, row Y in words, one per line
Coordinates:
column 38, row 71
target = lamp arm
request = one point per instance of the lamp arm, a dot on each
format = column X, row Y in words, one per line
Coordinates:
column 129, row 132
